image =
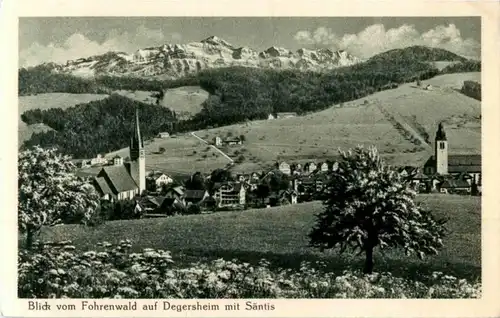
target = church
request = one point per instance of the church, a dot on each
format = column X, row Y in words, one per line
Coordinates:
column 462, row 167
column 120, row 180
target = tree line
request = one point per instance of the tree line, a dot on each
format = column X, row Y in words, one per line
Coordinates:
column 237, row 94
column 96, row 127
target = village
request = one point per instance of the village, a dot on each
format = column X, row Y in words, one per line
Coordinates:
column 156, row 193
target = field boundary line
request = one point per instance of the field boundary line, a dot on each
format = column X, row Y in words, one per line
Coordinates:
column 217, row 149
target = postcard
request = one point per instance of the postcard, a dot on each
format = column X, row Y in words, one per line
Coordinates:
column 263, row 159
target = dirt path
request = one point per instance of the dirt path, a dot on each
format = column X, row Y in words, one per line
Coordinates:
column 405, row 129
column 215, row 148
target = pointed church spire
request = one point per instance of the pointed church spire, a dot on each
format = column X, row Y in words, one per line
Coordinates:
column 440, row 134
column 137, row 141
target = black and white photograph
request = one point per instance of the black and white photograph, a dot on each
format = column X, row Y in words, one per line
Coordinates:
column 249, row 158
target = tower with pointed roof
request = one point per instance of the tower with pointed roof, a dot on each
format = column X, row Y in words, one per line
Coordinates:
column 441, row 151
column 138, row 156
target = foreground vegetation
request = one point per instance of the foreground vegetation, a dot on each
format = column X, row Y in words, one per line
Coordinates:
column 55, row 270
column 280, row 236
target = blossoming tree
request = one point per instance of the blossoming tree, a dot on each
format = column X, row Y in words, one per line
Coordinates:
column 370, row 204
column 49, row 192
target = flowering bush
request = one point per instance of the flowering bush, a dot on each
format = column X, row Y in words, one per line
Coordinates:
column 57, row 270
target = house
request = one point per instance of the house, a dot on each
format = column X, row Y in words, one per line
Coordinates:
column 98, row 160
column 310, row 167
column 159, row 179
column 218, row 141
column 81, row 163
column 323, row 167
column 176, row 193
column 286, row 115
column 117, row 160
column 303, row 184
column 163, row 135
column 232, row 141
column 159, row 205
column 444, row 164
column 333, row 166
column 270, row 117
column 428, row 87
column 250, row 185
column 421, row 180
column 254, row 177
column 284, row 167
column 288, row 196
column 242, row 177
column 455, row 186
column 408, row 171
column 149, row 204
column 230, row 194
column 283, row 197
column 122, row 181
column 298, row 168
column 195, row 196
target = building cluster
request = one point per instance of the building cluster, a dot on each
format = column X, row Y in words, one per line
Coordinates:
column 281, row 115
column 228, row 141
column 286, row 183
column 449, row 173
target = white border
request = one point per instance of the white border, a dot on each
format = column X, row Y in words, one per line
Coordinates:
column 488, row 10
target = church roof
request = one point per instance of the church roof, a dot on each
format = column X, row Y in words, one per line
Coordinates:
column 459, row 163
column 102, row 186
column 455, row 183
column 118, row 178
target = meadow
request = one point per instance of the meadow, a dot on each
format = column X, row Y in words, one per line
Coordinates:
column 365, row 121
column 185, row 101
column 47, row 101
column 183, row 156
column 279, row 235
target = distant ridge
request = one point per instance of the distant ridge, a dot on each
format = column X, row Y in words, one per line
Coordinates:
column 173, row 61
column 419, row 53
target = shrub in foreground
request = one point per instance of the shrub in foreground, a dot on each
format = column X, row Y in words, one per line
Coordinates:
column 57, row 270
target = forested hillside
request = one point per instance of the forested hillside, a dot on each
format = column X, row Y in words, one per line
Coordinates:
column 417, row 53
column 237, row 94
column 97, row 127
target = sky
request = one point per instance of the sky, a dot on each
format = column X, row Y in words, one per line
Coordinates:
column 58, row 39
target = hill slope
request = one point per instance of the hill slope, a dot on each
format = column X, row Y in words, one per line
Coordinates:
column 392, row 120
column 417, row 53
column 185, row 101
column 48, row 101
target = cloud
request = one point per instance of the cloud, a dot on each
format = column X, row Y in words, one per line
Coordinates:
column 376, row 39
column 77, row 46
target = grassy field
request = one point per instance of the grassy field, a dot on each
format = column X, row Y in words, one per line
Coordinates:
column 47, row 101
column 280, row 235
column 319, row 135
column 185, row 101
column 184, row 155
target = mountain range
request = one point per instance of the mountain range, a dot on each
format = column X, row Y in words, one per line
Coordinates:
column 173, row 61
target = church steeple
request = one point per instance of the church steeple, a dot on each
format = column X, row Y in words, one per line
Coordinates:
column 137, row 155
column 441, row 151
column 136, row 141
column 440, row 134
